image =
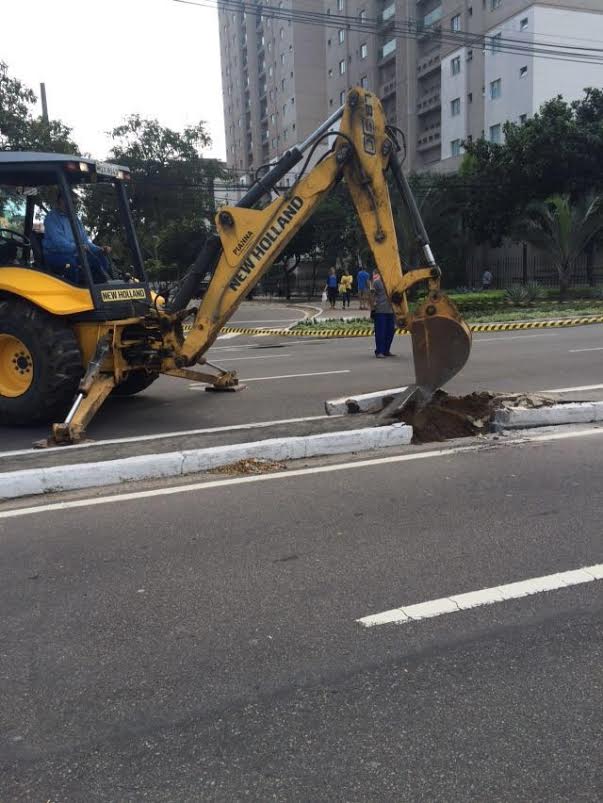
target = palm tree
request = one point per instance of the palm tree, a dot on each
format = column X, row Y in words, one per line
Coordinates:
column 563, row 229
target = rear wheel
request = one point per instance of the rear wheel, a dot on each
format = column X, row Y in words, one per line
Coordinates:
column 134, row 383
column 40, row 364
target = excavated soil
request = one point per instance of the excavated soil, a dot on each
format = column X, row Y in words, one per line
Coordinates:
column 250, row 466
column 447, row 417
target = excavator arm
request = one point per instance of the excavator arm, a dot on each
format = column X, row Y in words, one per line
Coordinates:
column 251, row 240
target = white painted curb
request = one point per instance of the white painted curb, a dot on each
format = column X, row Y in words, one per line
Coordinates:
column 363, row 403
column 30, row 482
column 571, row 413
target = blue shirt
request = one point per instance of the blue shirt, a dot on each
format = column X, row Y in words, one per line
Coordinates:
column 332, row 281
column 58, row 235
column 363, row 279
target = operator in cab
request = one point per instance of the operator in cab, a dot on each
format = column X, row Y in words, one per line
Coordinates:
column 60, row 249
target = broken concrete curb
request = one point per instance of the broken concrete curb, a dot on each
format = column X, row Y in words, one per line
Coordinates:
column 363, row 402
column 567, row 413
column 32, row 482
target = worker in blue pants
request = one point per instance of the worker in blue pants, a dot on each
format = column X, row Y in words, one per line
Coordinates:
column 383, row 318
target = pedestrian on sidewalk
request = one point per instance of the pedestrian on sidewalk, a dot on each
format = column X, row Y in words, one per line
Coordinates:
column 363, row 280
column 383, row 318
column 487, row 280
column 345, row 287
column 331, row 287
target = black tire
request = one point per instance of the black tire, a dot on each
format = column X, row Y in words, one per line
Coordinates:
column 134, row 383
column 56, row 363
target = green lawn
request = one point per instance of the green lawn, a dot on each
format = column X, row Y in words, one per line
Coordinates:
column 497, row 312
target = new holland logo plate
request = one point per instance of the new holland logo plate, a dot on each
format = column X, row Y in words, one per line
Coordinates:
column 124, row 294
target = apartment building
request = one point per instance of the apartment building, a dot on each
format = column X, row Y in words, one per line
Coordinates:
column 273, row 81
column 445, row 70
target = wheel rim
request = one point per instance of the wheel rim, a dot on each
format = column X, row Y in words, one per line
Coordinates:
column 16, row 367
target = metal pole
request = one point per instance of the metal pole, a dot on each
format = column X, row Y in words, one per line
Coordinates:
column 44, row 103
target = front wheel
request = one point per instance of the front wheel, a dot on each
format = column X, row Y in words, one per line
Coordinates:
column 40, row 364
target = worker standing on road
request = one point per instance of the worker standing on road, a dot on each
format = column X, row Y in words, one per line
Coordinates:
column 345, row 287
column 383, row 318
column 362, row 280
column 331, row 287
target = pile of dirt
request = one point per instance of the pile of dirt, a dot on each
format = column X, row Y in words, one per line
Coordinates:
column 250, row 466
column 447, row 417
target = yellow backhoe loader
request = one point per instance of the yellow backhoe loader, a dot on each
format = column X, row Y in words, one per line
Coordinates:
column 67, row 343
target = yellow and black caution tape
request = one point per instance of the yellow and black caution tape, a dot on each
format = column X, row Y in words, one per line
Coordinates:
column 366, row 331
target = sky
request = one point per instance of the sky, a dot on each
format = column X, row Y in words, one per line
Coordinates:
column 104, row 59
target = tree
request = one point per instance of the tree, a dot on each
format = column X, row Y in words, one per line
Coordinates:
column 558, row 151
column 171, row 191
column 563, row 229
column 441, row 201
column 20, row 128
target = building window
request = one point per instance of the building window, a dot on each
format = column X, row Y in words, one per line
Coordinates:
column 339, row 5
column 363, row 50
column 342, row 67
column 341, row 36
column 282, row 58
column 523, row 118
column 523, row 71
column 494, row 4
column 364, row 82
column 455, row 107
column 362, row 17
column 272, row 119
column 470, row 11
column 330, row 101
column 329, row 42
column 495, row 133
column 270, row 71
column 470, row 55
column 455, row 147
column 274, row 142
column 455, row 65
column 455, row 23
column 495, row 42
column 342, row 98
column 330, row 73
column 523, row 24
column 284, row 109
column 495, row 89
column 470, row 97
column 283, row 84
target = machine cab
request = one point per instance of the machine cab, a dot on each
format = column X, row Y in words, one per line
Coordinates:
column 107, row 286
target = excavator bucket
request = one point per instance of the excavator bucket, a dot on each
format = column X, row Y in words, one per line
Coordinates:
column 441, row 343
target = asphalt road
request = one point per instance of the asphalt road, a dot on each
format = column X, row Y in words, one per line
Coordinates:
column 204, row 645
column 290, row 377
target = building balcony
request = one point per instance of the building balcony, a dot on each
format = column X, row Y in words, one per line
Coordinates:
column 388, row 51
column 428, row 65
column 429, row 103
column 388, row 88
column 387, row 18
column 430, row 138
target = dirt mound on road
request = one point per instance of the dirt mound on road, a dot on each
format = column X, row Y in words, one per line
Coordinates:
column 447, row 417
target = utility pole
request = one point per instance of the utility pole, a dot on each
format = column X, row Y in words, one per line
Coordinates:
column 44, row 103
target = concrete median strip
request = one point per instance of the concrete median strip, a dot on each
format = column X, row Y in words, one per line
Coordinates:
column 556, row 414
column 363, row 402
column 52, row 479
